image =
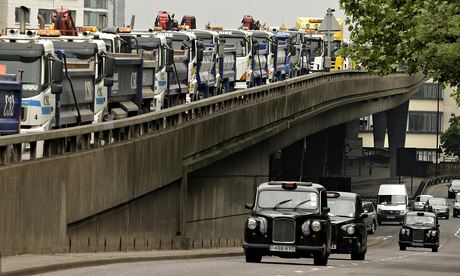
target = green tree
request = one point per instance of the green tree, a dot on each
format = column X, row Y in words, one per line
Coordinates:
column 420, row 35
column 450, row 139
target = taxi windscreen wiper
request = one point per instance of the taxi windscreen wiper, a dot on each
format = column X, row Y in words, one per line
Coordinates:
column 301, row 203
column 282, row 202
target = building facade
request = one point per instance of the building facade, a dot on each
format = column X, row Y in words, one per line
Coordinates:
column 422, row 132
column 100, row 13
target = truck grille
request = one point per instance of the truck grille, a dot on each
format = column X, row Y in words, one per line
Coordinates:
column 418, row 235
column 284, row 230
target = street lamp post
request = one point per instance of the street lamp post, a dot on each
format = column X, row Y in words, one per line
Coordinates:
column 437, row 130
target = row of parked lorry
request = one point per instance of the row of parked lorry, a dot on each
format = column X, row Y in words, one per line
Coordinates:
column 50, row 80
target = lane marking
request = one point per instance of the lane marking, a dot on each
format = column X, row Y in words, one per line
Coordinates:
column 387, row 237
column 315, row 269
column 298, row 271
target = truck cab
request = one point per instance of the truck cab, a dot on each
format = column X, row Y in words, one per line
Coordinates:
column 10, row 102
column 300, row 54
column 263, row 65
column 244, row 57
column 392, row 203
column 316, row 60
column 281, row 49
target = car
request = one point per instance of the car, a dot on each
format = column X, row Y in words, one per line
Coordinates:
column 456, row 211
column 371, row 220
column 288, row 220
column 419, row 202
column 349, row 231
column 419, row 229
column 454, row 188
column 438, row 206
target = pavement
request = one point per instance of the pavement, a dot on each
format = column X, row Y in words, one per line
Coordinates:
column 365, row 181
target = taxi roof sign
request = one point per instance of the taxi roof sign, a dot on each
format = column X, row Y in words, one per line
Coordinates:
column 289, row 186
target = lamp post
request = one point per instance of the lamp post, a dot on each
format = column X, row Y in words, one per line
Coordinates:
column 437, row 130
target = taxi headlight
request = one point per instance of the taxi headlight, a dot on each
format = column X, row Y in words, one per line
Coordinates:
column 402, row 212
column 379, row 210
column 350, row 230
column 405, row 232
column 252, row 223
column 433, row 233
column 316, row 226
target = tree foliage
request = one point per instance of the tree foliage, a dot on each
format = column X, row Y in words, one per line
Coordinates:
column 420, row 35
column 450, row 139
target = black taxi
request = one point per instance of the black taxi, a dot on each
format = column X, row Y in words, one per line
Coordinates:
column 289, row 220
column 349, row 229
column 420, row 229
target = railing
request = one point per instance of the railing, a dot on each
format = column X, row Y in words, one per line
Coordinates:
column 86, row 137
column 427, row 182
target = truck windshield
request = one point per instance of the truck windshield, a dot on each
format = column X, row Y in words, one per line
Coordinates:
column 391, row 199
column 419, row 220
column 341, row 207
column 289, row 199
column 240, row 45
column 30, row 76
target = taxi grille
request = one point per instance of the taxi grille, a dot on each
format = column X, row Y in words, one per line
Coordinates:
column 284, row 230
column 418, row 235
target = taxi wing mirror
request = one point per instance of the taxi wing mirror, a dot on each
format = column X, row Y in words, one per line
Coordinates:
column 249, row 206
column 326, row 209
column 363, row 216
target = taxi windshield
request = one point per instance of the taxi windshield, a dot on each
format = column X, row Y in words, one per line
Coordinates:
column 419, row 220
column 341, row 207
column 457, row 198
column 437, row 201
column 284, row 199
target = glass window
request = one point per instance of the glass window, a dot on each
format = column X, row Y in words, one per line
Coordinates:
column 341, row 207
column 47, row 15
column 240, row 45
column 283, row 199
column 365, row 123
column 27, row 15
column 423, row 121
column 96, row 4
column 429, row 91
column 95, row 19
column 421, row 220
column 391, row 199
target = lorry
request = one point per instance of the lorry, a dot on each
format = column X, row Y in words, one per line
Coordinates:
column 263, row 65
column 392, row 203
column 282, row 55
column 242, row 41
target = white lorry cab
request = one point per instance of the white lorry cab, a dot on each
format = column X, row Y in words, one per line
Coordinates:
column 392, row 203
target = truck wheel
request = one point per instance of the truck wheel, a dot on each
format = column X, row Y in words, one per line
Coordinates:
column 402, row 247
column 252, row 257
column 434, row 249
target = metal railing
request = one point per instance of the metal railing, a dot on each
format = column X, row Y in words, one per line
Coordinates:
column 427, row 182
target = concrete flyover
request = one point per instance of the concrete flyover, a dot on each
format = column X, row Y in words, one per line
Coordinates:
column 175, row 178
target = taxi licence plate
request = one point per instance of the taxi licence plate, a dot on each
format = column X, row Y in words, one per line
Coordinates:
column 417, row 244
column 282, row 248
column 391, row 217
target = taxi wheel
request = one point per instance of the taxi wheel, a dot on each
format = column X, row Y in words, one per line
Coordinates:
column 320, row 260
column 253, row 257
column 447, row 217
column 402, row 247
column 358, row 256
column 434, row 249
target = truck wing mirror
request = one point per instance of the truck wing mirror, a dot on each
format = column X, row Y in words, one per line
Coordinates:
column 169, row 57
column 109, row 67
column 293, row 50
column 169, row 68
column 108, row 82
column 221, row 50
column 58, row 67
column 56, row 89
column 255, row 47
column 199, row 55
column 274, row 48
column 199, row 44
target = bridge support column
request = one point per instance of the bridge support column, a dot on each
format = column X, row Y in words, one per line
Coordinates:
column 217, row 194
column 397, row 124
column 315, row 156
column 379, row 129
column 292, row 161
column 335, row 150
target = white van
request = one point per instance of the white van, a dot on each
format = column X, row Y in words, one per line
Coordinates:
column 454, row 188
column 392, row 203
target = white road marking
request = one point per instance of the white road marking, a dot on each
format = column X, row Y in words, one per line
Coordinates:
column 387, row 237
column 298, row 271
column 315, row 269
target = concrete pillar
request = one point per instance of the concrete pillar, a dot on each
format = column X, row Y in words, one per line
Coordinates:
column 292, row 161
column 315, row 155
column 380, row 127
column 352, row 129
column 217, row 195
column 335, row 144
column 397, row 125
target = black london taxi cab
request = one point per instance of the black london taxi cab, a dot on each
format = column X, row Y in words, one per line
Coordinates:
column 289, row 220
column 420, row 229
column 349, row 229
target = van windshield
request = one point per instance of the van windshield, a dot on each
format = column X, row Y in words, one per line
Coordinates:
column 391, row 199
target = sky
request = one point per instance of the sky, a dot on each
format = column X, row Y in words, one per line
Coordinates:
column 229, row 13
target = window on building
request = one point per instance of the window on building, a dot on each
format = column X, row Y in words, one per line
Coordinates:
column 429, row 91
column 423, row 122
column 17, row 12
column 97, row 19
column 426, row 155
column 96, row 4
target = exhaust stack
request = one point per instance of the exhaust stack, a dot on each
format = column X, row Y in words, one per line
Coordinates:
column 22, row 19
column 133, row 20
column 41, row 22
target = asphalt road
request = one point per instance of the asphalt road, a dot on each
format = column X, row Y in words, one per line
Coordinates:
column 383, row 258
